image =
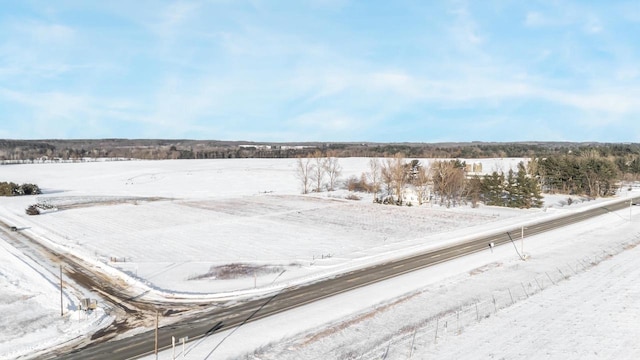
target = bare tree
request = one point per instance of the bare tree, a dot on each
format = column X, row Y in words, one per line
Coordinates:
column 303, row 173
column 386, row 176
column 333, row 169
column 374, row 175
column 400, row 175
column 394, row 175
column 318, row 170
column 474, row 190
column 421, row 182
column 448, row 181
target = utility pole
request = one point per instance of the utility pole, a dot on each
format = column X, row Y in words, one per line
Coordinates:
column 61, row 308
column 173, row 345
column 522, row 240
column 183, row 340
column 156, row 348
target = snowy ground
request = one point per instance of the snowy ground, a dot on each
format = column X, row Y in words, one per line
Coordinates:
column 168, row 225
column 576, row 297
column 171, row 224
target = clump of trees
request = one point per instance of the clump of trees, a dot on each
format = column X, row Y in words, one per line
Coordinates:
column 587, row 174
column 515, row 189
column 318, row 172
column 393, row 180
column 13, row 189
column 449, row 181
column 393, row 176
column 445, row 182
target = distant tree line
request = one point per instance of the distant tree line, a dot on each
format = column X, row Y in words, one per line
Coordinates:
column 149, row 149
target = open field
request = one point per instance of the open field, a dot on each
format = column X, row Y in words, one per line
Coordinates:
column 170, row 224
column 223, row 228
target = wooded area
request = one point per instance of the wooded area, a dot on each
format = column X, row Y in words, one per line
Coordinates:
column 35, row 150
column 397, row 180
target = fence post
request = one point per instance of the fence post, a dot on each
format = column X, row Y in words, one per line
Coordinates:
column 413, row 342
column 525, row 290
column 386, row 351
column 553, row 282
column 561, row 273
column 477, row 313
column 538, row 284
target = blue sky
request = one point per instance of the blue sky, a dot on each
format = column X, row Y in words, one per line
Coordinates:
column 321, row 70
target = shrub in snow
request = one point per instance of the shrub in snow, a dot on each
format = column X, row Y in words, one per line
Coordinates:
column 30, row 189
column 38, row 209
column 13, row 189
column 353, row 197
column 33, row 210
column 354, row 183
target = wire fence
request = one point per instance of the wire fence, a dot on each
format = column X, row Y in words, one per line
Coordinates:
column 430, row 331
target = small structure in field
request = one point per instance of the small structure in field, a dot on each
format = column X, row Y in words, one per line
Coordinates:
column 87, row 304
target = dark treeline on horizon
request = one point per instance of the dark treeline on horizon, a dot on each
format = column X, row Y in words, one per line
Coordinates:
column 148, row 149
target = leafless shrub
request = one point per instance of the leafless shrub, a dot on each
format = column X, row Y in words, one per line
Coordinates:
column 304, row 167
column 33, row 210
column 236, row 270
column 353, row 197
column 354, row 183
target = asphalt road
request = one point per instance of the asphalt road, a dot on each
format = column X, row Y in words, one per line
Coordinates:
column 227, row 318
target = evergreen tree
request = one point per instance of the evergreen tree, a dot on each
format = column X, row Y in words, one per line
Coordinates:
column 529, row 190
column 511, row 191
column 492, row 189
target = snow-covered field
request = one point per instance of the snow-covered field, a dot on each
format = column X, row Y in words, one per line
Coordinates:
column 173, row 226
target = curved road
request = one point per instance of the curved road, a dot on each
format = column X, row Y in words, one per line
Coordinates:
column 227, row 318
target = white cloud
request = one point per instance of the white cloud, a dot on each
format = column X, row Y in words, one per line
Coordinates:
column 616, row 103
column 593, row 25
column 630, row 10
column 566, row 15
column 174, row 16
column 326, row 121
column 627, row 73
column 47, row 33
column 397, row 82
column 488, row 86
column 465, row 30
column 57, row 113
column 329, row 4
column 535, row 19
